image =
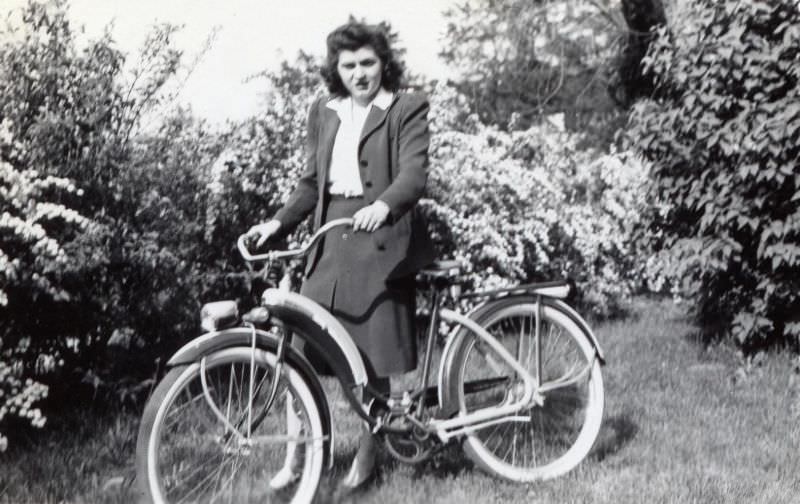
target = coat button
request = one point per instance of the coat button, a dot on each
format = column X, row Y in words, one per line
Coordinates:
column 368, row 183
column 344, row 236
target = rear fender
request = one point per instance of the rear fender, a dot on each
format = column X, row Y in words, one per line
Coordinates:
column 456, row 345
column 569, row 311
column 575, row 316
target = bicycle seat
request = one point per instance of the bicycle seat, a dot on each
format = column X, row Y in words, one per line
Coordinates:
column 442, row 269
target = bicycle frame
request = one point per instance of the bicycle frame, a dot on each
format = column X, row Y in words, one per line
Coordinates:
column 485, row 417
column 305, row 317
column 330, row 337
column 299, row 306
column 248, row 372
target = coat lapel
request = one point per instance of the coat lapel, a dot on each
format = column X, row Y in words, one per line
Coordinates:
column 375, row 119
column 330, row 125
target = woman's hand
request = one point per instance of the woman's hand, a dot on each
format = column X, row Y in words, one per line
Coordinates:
column 264, row 230
column 371, row 217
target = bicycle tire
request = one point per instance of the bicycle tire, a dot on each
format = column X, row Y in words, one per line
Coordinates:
column 185, row 453
column 561, row 431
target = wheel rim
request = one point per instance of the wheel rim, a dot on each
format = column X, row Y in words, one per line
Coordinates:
column 559, row 432
column 193, row 457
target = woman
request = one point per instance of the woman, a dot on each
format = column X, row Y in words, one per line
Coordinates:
column 367, row 159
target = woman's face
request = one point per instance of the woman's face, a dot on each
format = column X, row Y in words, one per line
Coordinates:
column 360, row 71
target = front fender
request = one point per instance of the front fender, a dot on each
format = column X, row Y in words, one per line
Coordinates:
column 320, row 329
column 217, row 340
column 303, row 317
column 211, row 342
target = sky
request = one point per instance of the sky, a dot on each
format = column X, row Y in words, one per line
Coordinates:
column 254, row 35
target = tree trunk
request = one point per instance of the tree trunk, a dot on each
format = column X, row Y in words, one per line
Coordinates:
column 641, row 16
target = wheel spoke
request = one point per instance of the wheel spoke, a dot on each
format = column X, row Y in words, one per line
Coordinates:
column 569, row 373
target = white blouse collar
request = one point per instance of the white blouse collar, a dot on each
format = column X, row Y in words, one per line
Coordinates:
column 382, row 100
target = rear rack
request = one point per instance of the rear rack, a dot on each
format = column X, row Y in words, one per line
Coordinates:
column 558, row 289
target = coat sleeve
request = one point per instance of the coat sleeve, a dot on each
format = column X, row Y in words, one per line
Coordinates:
column 304, row 197
column 412, row 160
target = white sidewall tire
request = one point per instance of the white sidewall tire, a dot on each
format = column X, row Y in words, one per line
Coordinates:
column 151, row 420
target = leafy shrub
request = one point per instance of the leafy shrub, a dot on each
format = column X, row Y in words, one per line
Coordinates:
column 518, row 61
column 723, row 133
column 103, row 204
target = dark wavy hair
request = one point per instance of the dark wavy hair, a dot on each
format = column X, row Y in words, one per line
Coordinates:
column 351, row 37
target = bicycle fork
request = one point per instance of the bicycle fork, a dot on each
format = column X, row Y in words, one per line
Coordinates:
column 251, row 423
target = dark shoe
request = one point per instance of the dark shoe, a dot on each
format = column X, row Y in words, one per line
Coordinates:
column 362, row 470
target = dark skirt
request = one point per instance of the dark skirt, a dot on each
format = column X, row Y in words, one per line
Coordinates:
column 348, row 280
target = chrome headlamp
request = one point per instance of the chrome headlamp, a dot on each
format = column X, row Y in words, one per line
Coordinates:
column 219, row 315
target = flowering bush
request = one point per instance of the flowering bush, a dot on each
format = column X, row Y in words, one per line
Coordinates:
column 17, row 399
column 31, row 256
column 530, row 205
column 264, row 155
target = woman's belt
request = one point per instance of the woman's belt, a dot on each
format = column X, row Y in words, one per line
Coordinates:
column 345, row 195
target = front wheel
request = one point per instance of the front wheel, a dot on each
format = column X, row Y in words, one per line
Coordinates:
column 187, row 452
column 553, row 435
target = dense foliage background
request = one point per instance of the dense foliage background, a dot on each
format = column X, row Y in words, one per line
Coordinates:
column 723, row 131
column 553, row 155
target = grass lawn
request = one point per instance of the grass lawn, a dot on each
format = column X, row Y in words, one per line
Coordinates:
column 683, row 424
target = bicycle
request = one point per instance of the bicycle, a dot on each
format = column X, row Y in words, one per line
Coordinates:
column 241, row 415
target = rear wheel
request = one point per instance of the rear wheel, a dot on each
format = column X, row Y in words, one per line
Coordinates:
column 547, row 439
column 187, row 453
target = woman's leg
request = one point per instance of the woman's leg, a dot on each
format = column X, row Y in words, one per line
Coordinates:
column 362, row 469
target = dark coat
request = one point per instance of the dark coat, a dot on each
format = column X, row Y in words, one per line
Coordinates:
column 393, row 159
column 365, row 279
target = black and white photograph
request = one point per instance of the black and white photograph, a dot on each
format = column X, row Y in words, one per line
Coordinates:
column 418, row 251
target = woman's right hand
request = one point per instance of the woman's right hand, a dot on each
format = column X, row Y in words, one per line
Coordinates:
column 264, row 231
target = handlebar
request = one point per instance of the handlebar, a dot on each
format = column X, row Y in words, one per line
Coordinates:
column 288, row 254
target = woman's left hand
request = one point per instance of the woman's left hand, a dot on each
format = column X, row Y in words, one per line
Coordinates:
column 371, row 217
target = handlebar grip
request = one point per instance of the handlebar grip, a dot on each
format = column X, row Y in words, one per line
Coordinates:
column 241, row 244
column 247, row 256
